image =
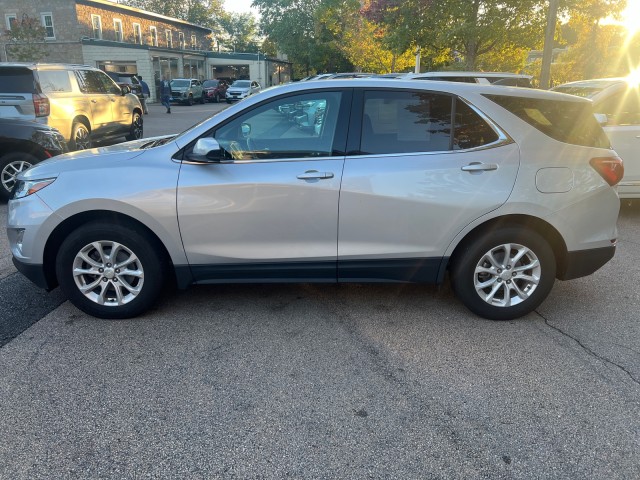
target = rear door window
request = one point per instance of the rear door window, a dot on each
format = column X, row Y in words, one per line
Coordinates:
column 54, row 81
column 90, row 82
column 405, row 122
column 16, row 80
column 623, row 108
column 563, row 120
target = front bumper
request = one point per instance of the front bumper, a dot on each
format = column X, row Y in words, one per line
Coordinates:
column 35, row 273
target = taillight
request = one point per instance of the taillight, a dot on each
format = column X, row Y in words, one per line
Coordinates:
column 609, row 168
column 41, row 105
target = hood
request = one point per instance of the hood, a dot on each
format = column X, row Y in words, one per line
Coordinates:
column 239, row 89
column 94, row 157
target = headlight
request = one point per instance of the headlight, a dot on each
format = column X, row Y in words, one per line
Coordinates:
column 50, row 140
column 24, row 188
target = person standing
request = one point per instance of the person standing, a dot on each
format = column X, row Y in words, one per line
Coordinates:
column 165, row 93
column 146, row 93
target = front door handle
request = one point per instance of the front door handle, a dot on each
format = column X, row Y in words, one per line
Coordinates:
column 479, row 167
column 314, row 175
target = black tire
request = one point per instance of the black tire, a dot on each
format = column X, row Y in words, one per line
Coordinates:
column 527, row 282
column 11, row 165
column 136, row 255
column 136, row 131
column 216, row 98
column 229, row 101
column 202, row 99
column 80, row 137
column 190, row 100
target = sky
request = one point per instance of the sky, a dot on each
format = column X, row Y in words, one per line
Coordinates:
column 239, row 6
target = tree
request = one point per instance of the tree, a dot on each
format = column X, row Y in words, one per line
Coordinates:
column 26, row 40
column 199, row 12
column 468, row 28
column 240, row 31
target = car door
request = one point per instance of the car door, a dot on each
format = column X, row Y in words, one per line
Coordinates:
column 409, row 186
column 269, row 211
column 121, row 105
column 98, row 101
column 623, row 129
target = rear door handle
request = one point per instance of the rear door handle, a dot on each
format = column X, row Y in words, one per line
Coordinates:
column 479, row 167
column 314, row 174
column 94, row 101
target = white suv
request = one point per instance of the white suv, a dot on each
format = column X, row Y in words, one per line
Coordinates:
column 617, row 102
column 401, row 181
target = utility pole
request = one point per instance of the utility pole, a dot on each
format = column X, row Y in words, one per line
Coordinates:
column 417, row 69
column 547, row 53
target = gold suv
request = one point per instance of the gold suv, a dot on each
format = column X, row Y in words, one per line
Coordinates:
column 82, row 102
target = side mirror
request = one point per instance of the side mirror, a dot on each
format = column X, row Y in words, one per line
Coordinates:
column 245, row 129
column 206, row 150
column 601, row 118
column 125, row 89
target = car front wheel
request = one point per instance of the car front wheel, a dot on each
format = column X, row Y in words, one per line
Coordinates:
column 11, row 165
column 137, row 128
column 504, row 274
column 109, row 271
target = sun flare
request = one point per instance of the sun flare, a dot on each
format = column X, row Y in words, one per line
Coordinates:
column 631, row 17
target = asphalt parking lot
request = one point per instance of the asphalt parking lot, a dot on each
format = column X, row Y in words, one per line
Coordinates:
column 323, row 381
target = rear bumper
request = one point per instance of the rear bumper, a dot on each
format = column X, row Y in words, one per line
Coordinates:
column 581, row 263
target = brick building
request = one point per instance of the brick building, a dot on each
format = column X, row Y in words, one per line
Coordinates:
column 116, row 37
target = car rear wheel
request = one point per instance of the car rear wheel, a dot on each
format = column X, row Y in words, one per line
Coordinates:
column 80, row 137
column 110, row 271
column 137, row 129
column 11, row 165
column 216, row 98
column 504, row 274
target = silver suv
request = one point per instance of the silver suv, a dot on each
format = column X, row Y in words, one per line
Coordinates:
column 82, row 102
column 398, row 181
column 187, row 90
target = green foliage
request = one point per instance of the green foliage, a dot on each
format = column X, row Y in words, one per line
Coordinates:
column 240, row 32
column 200, row 12
column 26, row 40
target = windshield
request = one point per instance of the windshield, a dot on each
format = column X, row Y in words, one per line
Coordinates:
column 241, row 84
column 210, row 83
column 180, row 83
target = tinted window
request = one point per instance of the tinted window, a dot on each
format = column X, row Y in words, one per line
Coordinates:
column 16, row 80
column 107, row 83
column 566, row 121
column 471, row 130
column 403, row 122
column 450, row 79
column 54, row 81
column 511, row 82
column 623, row 108
column 89, row 82
column 293, row 127
column 210, row 83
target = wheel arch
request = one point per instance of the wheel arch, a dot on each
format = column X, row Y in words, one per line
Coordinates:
column 81, row 118
column 74, row 222
column 25, row 146
column 543, row 228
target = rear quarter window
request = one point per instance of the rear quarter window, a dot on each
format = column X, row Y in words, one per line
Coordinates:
column 17, row 80
column 563, row 120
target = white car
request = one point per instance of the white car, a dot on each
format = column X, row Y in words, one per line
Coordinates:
column 617, row 102
column 401, row 181
column 240, row 89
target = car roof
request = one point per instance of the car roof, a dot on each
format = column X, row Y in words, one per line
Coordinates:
column 449, row 73
column 457, row 88
column 598, row 83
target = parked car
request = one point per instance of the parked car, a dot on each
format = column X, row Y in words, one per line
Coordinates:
column 240, row 89
column 494, row 78
column 334, row 76
column 215, row 90
column 22, row 145
column 82, row 102
column 617, row 103
column 129, row 80
column 187, row 90
column 513, row 191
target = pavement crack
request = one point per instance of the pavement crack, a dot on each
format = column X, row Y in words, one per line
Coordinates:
column 588, row 350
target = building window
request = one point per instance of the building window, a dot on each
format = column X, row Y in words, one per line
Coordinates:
column 194, row 42
column 10, row 19
column 117, row 28
column 154, row 36
column 137, row 34
column 47, row 23
column 169, row 35
column 181, row 40
column 96, row 23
